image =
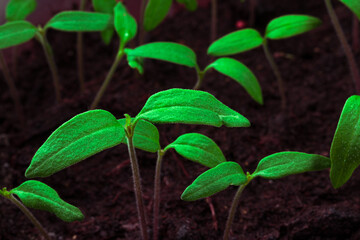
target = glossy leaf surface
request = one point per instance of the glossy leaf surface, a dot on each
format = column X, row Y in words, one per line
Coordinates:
column 198, row 148
column 19, row 9
column 215, row 180
column 155, row 12
column 241, row 74
column 283, row 164
column 354, row 6
column 125, row 24
column 236, row 42
column 81, row 137
column 290, row 25
column 345, row 150
column 15, row 33
column 190, row 5
column 37, row 195
column 190, row 107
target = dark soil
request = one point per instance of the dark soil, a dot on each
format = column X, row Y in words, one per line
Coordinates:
column 304, row 206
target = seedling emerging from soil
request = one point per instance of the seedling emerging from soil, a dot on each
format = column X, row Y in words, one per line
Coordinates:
column 275, row 166
column 37, row 195
column 91, row 132
column 247, row 39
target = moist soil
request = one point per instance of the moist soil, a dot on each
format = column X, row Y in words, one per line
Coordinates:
column 304, row 206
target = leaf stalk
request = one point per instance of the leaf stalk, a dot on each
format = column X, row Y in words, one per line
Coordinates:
column 157, row 191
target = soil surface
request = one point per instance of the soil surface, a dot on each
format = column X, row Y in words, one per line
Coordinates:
column 304, row 206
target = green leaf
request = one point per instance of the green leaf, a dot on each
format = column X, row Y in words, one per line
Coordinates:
column 79, row 21
column 37, row 195
column 146, row 136
column 236, row 42
column 79, row 138
column 345, row 150
column 125, row 24
column 155, row 12
column 215, row 180
column 290, row 25
column 283, row 164
column 19, row 9
column 107, row 35
column 198, row 148
column 136, row 62
column 190, row 5
column 241, row 74
column 354, row 6
column 190, row 107
column 16, row 33
column 104, row 6
column 165, row 51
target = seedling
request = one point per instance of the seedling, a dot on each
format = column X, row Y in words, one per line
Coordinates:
column 247, row 39
column 38, row 195
column 91, row 132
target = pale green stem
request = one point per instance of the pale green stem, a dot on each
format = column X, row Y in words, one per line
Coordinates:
column 214, row 10
column 80, row 58
column 200, row 77
column 157, row 190
column 142, row 32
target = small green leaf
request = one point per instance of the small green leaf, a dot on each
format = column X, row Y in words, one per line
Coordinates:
column 190, row 5
column 104, row 6
column 19, row 9
column 190, row 107
column 79, row 21
column 354, row 6
column 215, row 180
column 16, row 33
column 146, row 136
column 241, row 74
column 345, row 150
column 135, row 62
column 283, row 164
column 165, row 51
column 198, row 148
column 155, row 12
column 107, row 35
column 37, row 195
column 236, row 42
column 290, row 25
column 125, row 24
column 79, row 138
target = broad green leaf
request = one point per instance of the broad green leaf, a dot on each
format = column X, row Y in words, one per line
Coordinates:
column 283, row 164
column 16, row 33
column 104, row 6
column 354, row 6
column 241, row 74
column 215, row 180
column 146, row 136
column 345, row 150
column 155, row 12
column 125, row 24
column 236, row 42
column 19, row 9
column 37, row 195
column 190, row 5
column 135, row 62
column 290, row 25
column 198, row 148
column 190, row 107
column 79, row 138
column 107, row 35
column 79, row 21
column 165, row 51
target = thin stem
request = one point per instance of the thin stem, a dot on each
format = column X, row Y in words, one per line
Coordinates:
column 200, row 77
column 277, row 73
column 232, row 211
column 80, row 57
column 14, row 61
column 355, row 32
column 349, row 55
column 137, row 186
column 157, row 190
column 142, row 32
column 107, row 79
column 213, row 20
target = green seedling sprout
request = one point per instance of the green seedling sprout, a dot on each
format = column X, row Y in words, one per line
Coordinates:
column 247, row 39
column 275, row 166
column 91, row 132
column 355, row 7
column 37, row 195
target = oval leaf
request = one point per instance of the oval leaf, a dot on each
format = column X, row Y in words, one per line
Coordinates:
column 107, row 35
column 79, row 21
column 15, row 33
column 81, row 137
column 354, row 6
column 198, row 148
column 241, row 74
column 165, row 51
column 155, row 12
column 37, row 195
column 19, row 9
column 190, row 5
column 215, row 180
column 345, row 151
column 236, row 42
column 290, row 25
column 104, row 6
column 190, row 107
column 283, row 164
column 125, row 24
